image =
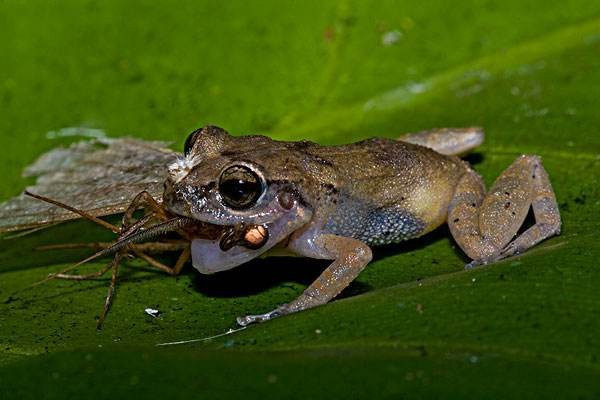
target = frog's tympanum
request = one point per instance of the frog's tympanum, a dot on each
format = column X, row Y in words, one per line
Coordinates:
column 337, row 202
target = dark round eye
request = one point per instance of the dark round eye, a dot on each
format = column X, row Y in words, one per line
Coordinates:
column 189, row 142
column 240, row 187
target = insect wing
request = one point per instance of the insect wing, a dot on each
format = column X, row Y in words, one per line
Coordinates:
column 100, row 177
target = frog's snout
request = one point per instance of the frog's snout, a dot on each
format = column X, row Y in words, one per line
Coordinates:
column 173, row 201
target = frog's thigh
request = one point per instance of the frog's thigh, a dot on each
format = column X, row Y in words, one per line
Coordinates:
column 544, row 206
column 483, row 225
column 350, row 258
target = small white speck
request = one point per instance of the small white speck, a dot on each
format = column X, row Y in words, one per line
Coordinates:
column 473, row 280
column 391, row 37
column 473, row 359
column 152, row 312
column 318, row 331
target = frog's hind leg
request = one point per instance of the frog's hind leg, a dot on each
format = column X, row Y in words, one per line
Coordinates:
column 484, row 225
column 448, row 141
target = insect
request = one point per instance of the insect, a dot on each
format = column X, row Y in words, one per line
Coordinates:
column 232, row 199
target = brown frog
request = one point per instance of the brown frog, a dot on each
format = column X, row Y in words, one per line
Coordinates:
column 233, row 199
column 336, row 202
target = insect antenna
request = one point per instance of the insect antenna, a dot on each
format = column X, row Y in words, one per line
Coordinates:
column 28, row 231
column 153, row 231
column 55, row 275
column 84, row 214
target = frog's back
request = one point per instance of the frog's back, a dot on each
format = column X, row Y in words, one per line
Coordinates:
column 377, row 190
column 388, row 191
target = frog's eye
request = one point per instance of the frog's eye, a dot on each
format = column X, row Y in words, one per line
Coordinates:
column 240, row 187
column 189, row 142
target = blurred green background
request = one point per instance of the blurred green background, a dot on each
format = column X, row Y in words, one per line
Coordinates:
column 414, row 324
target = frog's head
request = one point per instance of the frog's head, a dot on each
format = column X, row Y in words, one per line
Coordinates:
column 234, row 182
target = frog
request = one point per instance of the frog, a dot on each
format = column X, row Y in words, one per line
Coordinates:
column 336, row 203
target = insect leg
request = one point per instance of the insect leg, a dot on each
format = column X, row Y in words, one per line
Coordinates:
column 77, row 277
column 176, row 270
column 153, row 247
column 84, row 214
column 111, row 289
column 145, row 200
column 69, row 246
column 139, row 250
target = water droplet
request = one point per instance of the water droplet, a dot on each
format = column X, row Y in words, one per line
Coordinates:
column 391, row 37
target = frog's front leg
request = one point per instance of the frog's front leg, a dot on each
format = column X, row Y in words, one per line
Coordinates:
column 350, row 258
column 484, row 225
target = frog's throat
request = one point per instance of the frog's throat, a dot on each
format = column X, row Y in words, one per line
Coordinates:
column 208, row 257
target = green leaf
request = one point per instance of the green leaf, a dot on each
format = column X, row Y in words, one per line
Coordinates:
column 414, row 324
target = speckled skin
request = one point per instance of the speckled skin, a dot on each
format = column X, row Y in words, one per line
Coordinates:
column 378, row 190
column 334, row 202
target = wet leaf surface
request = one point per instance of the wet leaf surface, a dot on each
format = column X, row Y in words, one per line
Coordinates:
column 414, row 324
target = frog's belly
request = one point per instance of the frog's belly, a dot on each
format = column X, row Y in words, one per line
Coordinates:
column 376, row 227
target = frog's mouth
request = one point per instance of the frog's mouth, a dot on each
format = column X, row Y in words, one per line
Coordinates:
column 238, row 244
column 252, row 237
column 216, row 247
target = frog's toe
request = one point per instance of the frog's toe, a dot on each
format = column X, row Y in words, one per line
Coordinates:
column 246, row 320
column 477, row 263
column 472, row 264
column 251, row 319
